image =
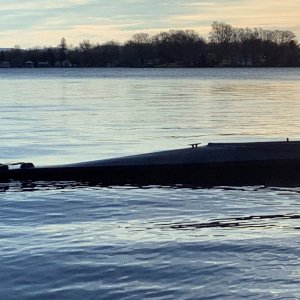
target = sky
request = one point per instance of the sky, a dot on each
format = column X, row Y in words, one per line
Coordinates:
column 30, row 23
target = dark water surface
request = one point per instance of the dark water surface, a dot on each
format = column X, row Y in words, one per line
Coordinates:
column 71, row 241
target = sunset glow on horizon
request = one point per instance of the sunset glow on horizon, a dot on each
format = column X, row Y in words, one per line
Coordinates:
column 28, row 23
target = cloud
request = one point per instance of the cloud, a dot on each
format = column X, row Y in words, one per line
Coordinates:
column 42, row 5
column 251, row 13
column 29, row 23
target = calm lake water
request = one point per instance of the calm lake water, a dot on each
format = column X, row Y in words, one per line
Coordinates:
column 70, row 241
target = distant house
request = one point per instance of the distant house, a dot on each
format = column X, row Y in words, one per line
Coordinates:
column 225, row 63
column 43, row 64
column 152, row 62
column 57, row 64
column 28, row 64
column 5, row 64
column 66, row 64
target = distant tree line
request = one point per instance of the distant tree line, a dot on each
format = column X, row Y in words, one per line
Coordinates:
column 226, row 46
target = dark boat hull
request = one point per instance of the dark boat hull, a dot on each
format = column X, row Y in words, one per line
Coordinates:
column 263, row 163
column 281, row 172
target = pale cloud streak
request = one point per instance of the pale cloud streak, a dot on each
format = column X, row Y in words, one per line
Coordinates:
column 28, row 24
column 42, row 5
column 271, row 14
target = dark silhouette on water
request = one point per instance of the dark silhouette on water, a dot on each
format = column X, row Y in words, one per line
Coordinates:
column 256, row 163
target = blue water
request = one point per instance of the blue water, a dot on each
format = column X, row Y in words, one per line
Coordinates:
column 73, row 241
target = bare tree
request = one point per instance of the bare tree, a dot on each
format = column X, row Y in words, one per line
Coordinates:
column 85, row 45
column 221, row 33
column 141, row 38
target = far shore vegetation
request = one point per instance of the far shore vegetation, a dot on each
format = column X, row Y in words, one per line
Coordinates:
column 226, row 46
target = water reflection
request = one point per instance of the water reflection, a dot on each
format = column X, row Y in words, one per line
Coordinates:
column 241, row 222
column 34, row 186
column 143, row 115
